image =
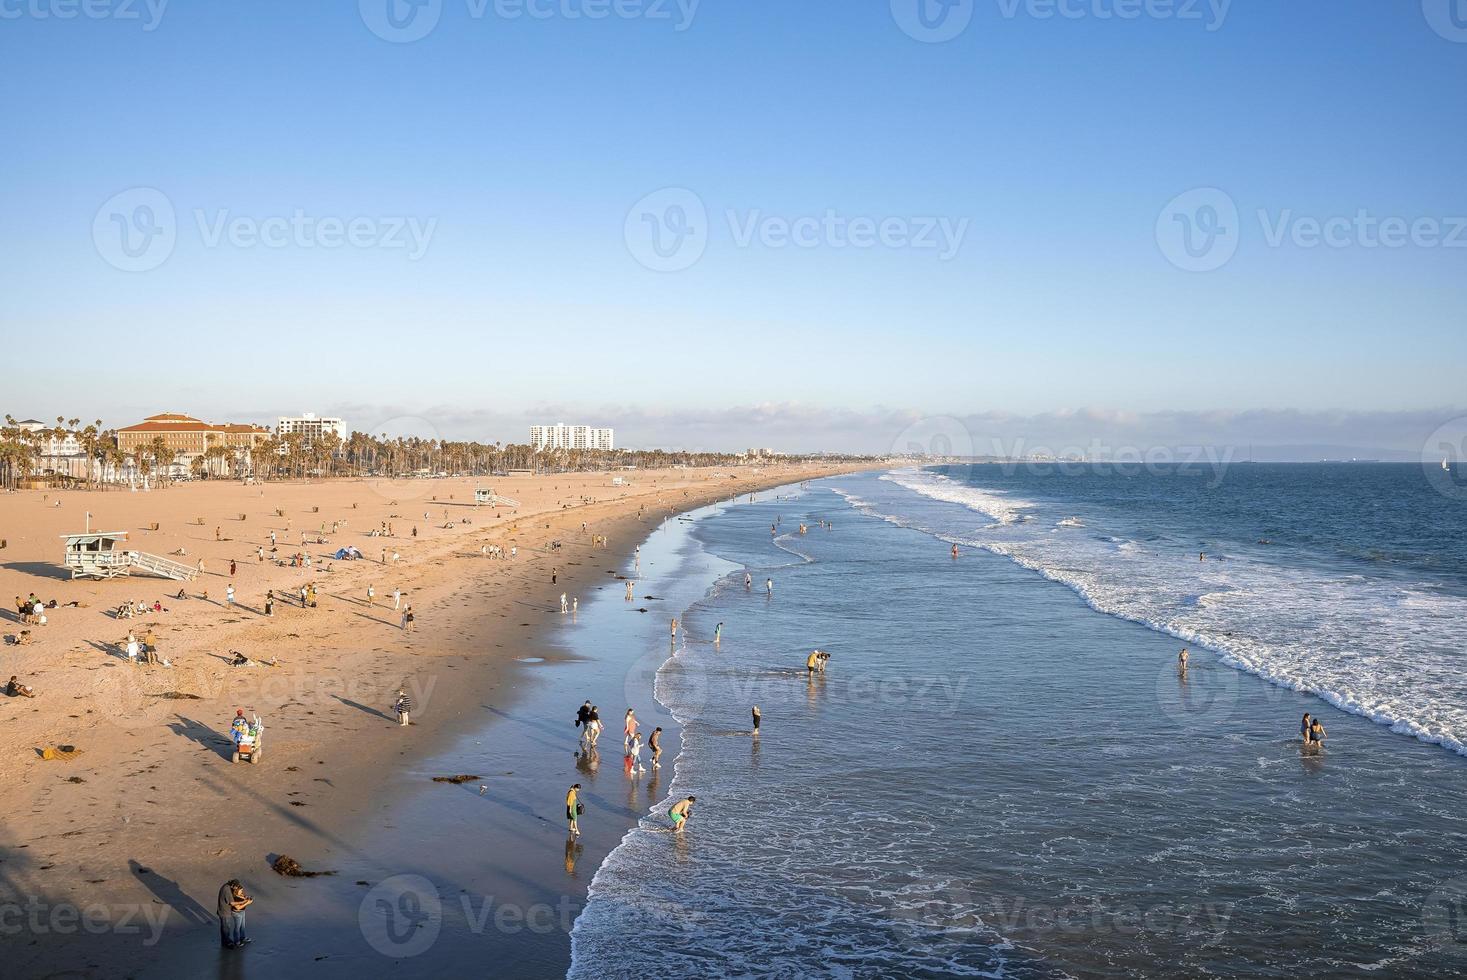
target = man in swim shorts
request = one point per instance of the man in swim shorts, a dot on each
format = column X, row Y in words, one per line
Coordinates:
column 680, row 812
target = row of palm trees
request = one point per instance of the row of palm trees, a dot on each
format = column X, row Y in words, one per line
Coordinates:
column 294, row 456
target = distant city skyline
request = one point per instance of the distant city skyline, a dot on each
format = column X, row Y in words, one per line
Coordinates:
column 1264, row 435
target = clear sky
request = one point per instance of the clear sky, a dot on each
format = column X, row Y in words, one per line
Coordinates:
column 1052, row 183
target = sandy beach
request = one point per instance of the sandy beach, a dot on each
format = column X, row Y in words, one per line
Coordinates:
column 151, row 816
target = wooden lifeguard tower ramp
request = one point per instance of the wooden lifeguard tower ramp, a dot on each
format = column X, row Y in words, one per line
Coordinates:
column 97, row 554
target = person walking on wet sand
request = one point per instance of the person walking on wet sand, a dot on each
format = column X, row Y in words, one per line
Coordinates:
column 769, row 587
column 573, row 809
column 629, row 730
column 231, row 910
column 654, row 742
column 593, row 727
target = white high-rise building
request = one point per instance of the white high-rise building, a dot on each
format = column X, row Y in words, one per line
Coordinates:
column 562, row 436
column 309, row 427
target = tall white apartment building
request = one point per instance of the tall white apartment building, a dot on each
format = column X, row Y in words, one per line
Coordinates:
column 562, row 436
column 309, row 427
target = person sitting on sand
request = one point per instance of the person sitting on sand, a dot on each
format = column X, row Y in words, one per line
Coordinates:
column 15, row 689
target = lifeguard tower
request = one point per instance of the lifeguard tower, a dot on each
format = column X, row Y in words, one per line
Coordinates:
column 99, row 554
column 486, row 497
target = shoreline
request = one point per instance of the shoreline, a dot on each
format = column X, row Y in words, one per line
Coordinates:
column 62, row 844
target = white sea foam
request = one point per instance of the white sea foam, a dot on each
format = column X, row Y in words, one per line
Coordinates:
column 1382, row 649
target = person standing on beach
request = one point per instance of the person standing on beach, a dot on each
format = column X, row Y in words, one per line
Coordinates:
column 371, row 594
column 674, row 629
column 575, row 605
column 150, row 646
column 654, row 742
column 403, row 706
column 583, row 721
column 629, row 730
column 757, row 716
column 629, row 590
column 407, row 619
column 232, row 568
column 554, row 574
column 270, row 603
column 564, row 606
column 231, row 911
column 573, row 809
column 229, row 594
column 718, row 634
column 680, row 812
column 397, row 598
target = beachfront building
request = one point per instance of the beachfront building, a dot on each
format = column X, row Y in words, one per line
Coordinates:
column 310, row 428
column 562, row 436
column 175, row 441
column 56, row 449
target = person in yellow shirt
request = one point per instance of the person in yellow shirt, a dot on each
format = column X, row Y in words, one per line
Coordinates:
column 573, row 809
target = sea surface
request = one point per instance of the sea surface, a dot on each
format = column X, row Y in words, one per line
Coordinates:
column 1004, row 773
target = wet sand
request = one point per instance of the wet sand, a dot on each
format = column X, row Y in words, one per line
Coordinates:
column 146, row 823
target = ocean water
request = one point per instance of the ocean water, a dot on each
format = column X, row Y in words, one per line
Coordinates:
column 1003, row 772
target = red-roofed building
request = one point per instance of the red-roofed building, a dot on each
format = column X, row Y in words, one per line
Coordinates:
column 190, row 438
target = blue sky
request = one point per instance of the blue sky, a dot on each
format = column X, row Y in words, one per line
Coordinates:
column 519, row 149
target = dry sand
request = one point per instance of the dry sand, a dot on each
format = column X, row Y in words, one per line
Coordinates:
column 153, row 784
